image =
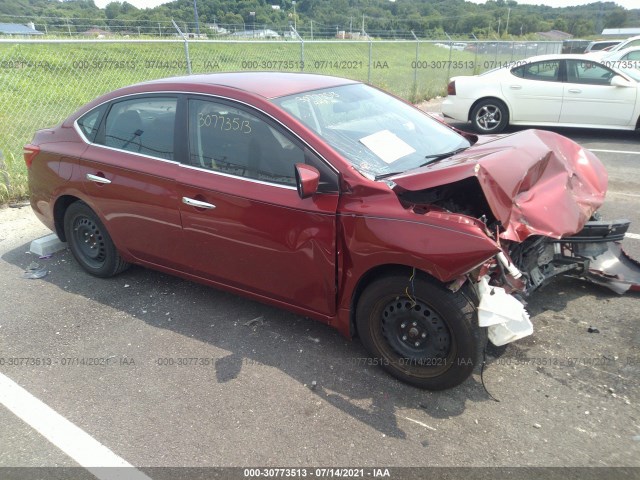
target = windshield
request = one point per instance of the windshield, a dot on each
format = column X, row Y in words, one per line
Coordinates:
column 377, row 133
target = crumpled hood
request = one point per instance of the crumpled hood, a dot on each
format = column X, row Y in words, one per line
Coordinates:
column 535, row 182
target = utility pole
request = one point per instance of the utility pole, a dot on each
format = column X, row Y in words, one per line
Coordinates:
column 195, row 13
column 508, row 15
column 499, row 22
column 295, row 20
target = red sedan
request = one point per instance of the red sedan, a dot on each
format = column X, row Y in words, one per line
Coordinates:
column 329, row 198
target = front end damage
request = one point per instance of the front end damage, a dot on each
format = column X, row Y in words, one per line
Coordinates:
column 595, row 254
column 539, row 204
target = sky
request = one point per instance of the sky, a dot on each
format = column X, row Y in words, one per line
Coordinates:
column 552, row 3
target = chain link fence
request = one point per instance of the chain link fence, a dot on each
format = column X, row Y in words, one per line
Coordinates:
column 45, row 81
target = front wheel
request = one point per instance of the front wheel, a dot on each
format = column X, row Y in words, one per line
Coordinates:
column 490, row 116
column 420, row 332
column 90, row 242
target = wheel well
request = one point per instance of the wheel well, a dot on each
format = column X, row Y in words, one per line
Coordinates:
column 486, row 98
column 59, row 210
column 638, row 123
column 370, row 276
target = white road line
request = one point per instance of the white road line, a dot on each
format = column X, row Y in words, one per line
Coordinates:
column 624, row 194
column 635, row 236
column 69, row 438
column 614, row 151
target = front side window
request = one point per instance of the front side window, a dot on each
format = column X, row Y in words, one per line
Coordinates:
column 144, row 125
column 377, row 133
column 234, row 141
column 541, row 71
column 590, row 73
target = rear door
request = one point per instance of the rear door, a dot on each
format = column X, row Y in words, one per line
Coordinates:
column 244, row 224
column 128, row 173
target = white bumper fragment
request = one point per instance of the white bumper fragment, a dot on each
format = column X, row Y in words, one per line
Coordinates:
column 506, row 318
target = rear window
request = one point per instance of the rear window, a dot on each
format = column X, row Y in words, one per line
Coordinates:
column 90, row 122
column 544, row 71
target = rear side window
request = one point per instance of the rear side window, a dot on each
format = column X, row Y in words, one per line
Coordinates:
column 143, row 125
column 543, row 71
column 635, row 55
column 90, row 122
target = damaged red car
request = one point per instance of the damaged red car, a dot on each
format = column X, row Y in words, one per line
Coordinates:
column 332, row 199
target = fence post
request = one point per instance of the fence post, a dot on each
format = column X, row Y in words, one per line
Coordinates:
column 370, row 60
column 415, row 69
column 475, row 57
column 450, row 52
column 186, row 46
column 295, row 32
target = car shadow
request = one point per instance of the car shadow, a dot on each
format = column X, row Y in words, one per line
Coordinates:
column 334, row 369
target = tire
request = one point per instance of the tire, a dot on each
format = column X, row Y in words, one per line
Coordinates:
column 489, row 116
column 90, row 242
column 431, row 342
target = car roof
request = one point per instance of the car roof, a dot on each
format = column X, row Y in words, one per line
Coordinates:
column 265, row 84
column 620, row 53
column 596, row 42
column 557, row 56
column 622, row 44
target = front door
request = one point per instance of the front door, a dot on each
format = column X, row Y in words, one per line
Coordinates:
column 244, row 224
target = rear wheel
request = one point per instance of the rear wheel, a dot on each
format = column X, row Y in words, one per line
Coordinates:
column 490, row 116
column 422, row 334
column 90, row 242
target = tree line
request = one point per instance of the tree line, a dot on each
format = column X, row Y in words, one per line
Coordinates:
column 324, row 18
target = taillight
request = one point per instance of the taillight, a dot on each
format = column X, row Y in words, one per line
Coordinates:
column 30, row 152
column 451, row 88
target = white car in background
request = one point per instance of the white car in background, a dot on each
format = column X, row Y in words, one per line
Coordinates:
column 628, row 43
column 629, row 58
column 549, row 90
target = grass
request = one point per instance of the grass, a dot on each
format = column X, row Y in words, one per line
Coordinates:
column 43, row 83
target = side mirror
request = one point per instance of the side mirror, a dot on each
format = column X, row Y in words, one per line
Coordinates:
column 618, row 81
column 307, row 179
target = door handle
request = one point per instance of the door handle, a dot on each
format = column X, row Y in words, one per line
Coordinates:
column 98, row 179
column 575, row 90
column 197, row 203
column 515, row 87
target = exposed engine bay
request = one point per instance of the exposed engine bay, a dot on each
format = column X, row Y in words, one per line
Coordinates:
column 594, row 254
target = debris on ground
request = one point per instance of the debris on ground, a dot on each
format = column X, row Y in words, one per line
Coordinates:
column 256, row 322
column 34, row 271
